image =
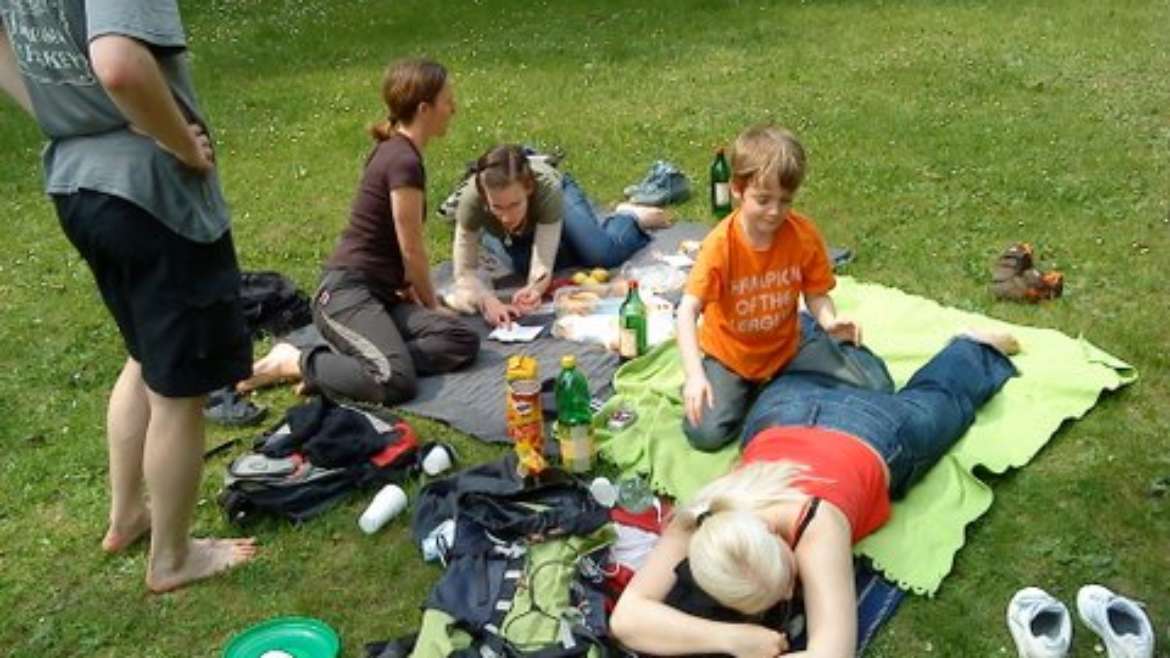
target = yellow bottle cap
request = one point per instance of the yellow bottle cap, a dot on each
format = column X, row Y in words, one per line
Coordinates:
column 569, row 361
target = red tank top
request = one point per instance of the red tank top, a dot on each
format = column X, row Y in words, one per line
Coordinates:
column 841, row 470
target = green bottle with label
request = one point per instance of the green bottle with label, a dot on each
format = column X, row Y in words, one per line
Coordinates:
column 632, row 325
column 574, row 430
column 720, row 186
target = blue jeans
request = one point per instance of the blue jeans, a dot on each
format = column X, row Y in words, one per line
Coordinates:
column 586, row 239
column 911, row 429
column 821, row 358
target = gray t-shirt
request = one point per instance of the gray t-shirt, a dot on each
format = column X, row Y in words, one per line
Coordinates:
column 91, row 145
column 546, row 206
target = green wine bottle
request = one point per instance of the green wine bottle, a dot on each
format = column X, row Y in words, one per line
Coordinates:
column 720, row 186
column 632, row 325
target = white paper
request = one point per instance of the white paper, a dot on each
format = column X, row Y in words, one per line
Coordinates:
column 677, row 261
column 516, row 334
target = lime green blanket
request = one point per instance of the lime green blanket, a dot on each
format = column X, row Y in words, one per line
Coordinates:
column 1060, row 378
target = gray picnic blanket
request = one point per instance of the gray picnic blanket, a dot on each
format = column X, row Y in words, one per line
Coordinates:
column 472, row 400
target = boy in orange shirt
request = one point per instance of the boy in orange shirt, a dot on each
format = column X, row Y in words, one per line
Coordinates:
column 745, row 283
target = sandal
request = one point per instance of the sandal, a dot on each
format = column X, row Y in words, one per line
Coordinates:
column 227, row 407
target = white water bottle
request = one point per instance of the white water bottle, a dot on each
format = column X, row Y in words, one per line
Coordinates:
column 386, row 505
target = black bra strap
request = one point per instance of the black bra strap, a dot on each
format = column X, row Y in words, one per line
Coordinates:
column 809, row 513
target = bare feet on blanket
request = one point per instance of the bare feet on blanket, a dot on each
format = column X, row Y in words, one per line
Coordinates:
column 125, row 533
column 650, row 218
column 205, row 558
column 1000, row 340
column 282, row 364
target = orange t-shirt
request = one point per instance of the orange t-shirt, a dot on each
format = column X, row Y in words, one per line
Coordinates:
column 749, row 297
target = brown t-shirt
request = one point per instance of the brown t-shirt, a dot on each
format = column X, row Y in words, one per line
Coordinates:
column 370, row 243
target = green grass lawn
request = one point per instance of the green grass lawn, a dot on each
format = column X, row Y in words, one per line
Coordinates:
column 938, row 133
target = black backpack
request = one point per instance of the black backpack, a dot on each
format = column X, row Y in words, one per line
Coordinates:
column 280, row 479
column 272, row 304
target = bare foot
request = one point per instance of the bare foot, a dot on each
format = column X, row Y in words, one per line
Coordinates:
column 1000, row 340
column 650, row 218
column 281, row 364
column 205, row 558
column 121, row 536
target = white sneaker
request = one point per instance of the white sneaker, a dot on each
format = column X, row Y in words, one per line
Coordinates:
column 1039, row 624
column 1120, row 622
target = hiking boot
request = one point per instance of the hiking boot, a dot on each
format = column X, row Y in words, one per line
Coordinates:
column 1014, row 260
column 1014, row 277
column 1029, row 286
column 1039, row 624
column 1122, row 623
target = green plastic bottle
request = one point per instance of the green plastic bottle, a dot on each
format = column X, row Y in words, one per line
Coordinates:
column 574, row 420
column 632, row 325
column 720, row 186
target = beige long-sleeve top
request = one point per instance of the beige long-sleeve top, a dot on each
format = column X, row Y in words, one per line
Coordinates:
column 545, row 217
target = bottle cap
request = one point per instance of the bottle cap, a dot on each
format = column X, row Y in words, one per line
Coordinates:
column 633, row 284
column 569, row 361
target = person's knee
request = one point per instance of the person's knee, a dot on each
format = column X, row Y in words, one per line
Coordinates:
column 465, row 346
column 401, row 386
column 707, row 437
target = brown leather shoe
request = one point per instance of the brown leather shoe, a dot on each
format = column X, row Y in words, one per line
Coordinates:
column 1030, row 286
column 1014, row 260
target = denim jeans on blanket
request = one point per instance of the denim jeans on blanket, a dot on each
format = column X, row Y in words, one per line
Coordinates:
column 587, row 240
column 820, row 358
column 912, row 428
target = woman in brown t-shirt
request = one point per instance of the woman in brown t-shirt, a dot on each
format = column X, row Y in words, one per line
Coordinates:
column 376, row 305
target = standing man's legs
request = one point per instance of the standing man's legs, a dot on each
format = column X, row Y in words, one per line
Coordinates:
column 126, row 421
column 176, row 303
column 173, row 466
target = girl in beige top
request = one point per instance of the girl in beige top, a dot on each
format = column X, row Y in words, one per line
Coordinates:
column 537, row 215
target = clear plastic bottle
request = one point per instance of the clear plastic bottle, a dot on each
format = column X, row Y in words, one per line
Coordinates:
column 574, row 419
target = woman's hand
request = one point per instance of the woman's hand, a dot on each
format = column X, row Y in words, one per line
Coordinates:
column 697, row 392
column 497, row 313
column 527, row 298
column 752, row 641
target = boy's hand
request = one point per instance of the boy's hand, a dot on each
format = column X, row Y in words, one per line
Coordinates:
column 844, row 329
column 697, row 392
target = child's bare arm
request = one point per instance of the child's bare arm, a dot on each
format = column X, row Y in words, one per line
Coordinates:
column 697, row 392
column 688, row 342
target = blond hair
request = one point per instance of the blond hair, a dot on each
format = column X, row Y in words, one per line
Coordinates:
column 734, row 556
column 763, row 153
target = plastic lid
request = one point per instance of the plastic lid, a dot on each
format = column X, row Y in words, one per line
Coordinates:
column 633, row 283
column 569, row 361
column 301, row 637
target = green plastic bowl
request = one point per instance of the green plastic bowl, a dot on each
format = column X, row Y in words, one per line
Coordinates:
column 285, row 637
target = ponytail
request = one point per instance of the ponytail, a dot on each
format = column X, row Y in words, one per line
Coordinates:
column 382, row 130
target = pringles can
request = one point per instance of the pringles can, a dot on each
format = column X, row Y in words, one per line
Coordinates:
column 525, row 420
